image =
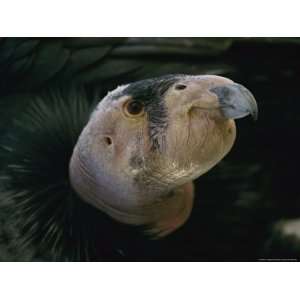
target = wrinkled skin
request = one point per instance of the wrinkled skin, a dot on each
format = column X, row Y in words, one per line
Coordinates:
column 139, row 168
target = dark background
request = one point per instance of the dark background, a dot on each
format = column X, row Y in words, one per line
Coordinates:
column 243, row 205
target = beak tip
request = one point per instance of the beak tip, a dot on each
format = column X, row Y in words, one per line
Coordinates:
column 254, row 110
column 236, row 101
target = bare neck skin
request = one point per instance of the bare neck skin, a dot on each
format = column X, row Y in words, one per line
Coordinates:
column 161, row 214
column 146, row 142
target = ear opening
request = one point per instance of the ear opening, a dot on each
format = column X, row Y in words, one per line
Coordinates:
column 108, row 140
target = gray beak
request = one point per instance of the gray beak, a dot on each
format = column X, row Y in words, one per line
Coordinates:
column 236, row 101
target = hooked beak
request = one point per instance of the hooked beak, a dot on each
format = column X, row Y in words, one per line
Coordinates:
column 236, row 101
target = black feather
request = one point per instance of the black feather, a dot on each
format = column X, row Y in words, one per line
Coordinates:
column 151, row 92
column 43, row 207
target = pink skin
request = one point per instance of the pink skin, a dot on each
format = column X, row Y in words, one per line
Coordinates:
column 156, row 192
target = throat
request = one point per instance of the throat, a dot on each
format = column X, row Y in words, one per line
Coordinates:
column 159, row 216
column 171, row 212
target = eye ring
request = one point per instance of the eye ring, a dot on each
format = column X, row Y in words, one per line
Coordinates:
column 133, row 108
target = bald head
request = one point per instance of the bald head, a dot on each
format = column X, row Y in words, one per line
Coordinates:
column 148, row 140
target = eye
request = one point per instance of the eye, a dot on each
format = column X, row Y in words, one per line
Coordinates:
column 180, row 87
column 134, row 108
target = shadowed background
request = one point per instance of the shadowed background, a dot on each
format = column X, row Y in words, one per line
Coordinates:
column 247, row 207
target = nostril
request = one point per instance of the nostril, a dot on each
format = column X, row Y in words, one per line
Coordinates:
column 180, row 87
column 108, row 140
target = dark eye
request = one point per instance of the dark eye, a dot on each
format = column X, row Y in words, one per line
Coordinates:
column 134, row 108
column 180, row 87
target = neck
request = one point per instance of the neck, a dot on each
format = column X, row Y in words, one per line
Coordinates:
column 160, row 216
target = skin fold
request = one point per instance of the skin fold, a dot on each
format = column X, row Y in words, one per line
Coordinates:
column 147, row 141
